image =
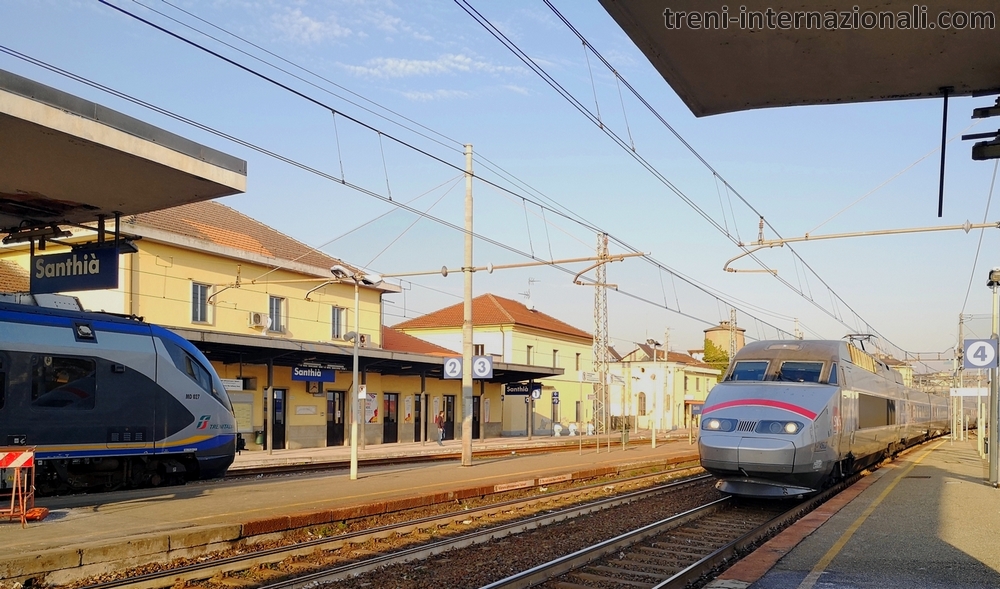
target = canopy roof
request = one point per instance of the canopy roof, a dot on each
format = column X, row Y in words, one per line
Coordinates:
column 68, row 160
column 738, row 67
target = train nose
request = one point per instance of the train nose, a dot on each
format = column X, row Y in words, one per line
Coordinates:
column 747, row 454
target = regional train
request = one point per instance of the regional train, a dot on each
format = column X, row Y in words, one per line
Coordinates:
column 791, row 417
column 108, row 401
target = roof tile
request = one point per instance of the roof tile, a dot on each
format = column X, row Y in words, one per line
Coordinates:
column 488, row 310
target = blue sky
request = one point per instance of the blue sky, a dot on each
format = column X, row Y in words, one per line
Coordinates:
column 377, row 61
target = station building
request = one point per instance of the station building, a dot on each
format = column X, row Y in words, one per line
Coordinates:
column 659, row 388
column 510, row 331
column 272, row 318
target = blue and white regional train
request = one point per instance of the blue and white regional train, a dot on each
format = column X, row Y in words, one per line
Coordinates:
column 108, row 402
column 790, row 417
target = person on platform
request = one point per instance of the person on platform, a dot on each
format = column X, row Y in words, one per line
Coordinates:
column 439, row 422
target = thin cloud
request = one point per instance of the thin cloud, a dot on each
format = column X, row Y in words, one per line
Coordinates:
column 295, row 25
column 392, row 67
column 435, row 95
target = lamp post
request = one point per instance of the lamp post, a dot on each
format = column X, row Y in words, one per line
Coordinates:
column 656, row 403
column 342, row 273
column 991, row 420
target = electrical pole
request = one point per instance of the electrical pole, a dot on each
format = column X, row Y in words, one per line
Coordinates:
column 601, row 337
column 467, row 319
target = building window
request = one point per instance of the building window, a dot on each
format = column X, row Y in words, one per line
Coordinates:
column 579, row 410
column 199, row 302
column 685, row 383
column 275, row 312
column 642, row 403
column 528, row 355
column 337, row 323
column 697, row 383
column 478, row 349
column 555, row 358
column 578, row 360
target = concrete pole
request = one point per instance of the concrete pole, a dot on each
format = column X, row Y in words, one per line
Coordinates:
column 357, row 402
column 269, row 393
column 467, row 318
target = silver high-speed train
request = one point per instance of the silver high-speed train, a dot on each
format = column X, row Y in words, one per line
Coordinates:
column 790, row 417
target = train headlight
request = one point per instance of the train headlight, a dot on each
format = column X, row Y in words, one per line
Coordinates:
column 719, row 425
column 778, row 427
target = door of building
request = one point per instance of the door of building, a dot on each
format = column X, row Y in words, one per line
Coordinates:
column 390, row 418
column 449, row 417
column 475, row 417
column 335, row 418
column 278, row 422
column 418, row 419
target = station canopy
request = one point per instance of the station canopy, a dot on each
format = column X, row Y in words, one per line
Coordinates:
column 734, row 68
column 66, row 160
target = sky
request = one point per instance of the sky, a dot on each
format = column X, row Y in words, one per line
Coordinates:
column 412, row 82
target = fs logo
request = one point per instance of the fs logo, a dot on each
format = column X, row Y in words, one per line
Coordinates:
column 203, row 421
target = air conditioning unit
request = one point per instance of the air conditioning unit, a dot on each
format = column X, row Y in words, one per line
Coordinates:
column 364, row 340
column 259, row 319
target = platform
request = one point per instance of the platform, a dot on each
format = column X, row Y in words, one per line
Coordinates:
column 927, row 520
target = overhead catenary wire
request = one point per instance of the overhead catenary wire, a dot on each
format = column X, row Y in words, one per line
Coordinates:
column 373, row 129
column 325, row 175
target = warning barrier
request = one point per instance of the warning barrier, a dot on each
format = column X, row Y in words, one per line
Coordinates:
column 22, row 483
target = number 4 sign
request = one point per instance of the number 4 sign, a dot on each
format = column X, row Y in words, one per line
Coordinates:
column 980, row 353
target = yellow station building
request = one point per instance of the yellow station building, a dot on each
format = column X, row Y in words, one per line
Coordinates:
column 267, row 310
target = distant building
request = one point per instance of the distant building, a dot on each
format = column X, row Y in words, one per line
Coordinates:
column 511, row 332
column 645, row 387
column 719, row 336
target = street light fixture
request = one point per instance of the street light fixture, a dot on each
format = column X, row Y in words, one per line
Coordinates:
column 344, row 274
column 656, row 405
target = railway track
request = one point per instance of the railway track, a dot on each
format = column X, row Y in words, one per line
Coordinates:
column 673, row 553
column 484, row 519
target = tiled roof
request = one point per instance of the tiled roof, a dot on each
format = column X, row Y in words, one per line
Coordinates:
column 676, row 357
column 397, row 341
column 13, row 278
column 489, row 309
column 221, row 225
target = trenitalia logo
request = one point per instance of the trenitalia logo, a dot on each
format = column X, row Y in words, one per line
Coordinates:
column 203, row 422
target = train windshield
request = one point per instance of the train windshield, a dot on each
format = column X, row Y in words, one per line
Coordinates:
column 749, row 370
column 799, row 371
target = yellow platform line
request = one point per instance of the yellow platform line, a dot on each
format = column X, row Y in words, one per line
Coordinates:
column 832, row 553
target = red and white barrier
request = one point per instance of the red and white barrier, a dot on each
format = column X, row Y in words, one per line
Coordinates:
column 22, row 490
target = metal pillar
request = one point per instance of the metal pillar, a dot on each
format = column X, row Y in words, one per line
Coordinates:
column 601, row 355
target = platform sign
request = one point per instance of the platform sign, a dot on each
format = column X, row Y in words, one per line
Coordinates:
column 91, row 269
column 523, row 388
column 980, row 353
column 482, row 367
column 453, row 367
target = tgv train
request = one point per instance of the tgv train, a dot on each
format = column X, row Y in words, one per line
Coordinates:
column 790, row 417
column 108, row 402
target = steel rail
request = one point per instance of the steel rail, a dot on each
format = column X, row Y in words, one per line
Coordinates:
column 208, row 569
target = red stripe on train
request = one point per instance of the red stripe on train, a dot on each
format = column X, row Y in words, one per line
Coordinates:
column 762, row 403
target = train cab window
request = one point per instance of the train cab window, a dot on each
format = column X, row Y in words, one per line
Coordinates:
column 3, row 388
column 196, row 371
column 63, row 383
column 795, row 371
column 833, row 374
column 749, row 370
